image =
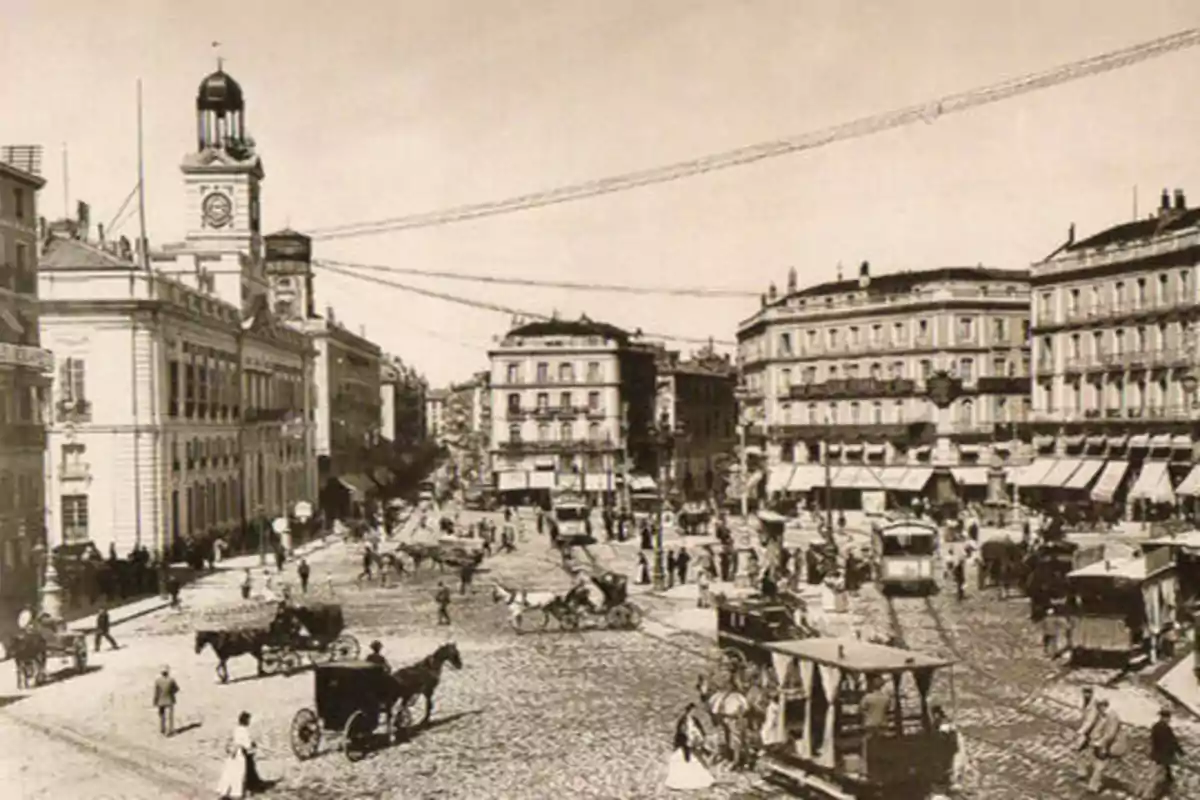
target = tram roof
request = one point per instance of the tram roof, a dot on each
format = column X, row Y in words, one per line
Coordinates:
column 857, row 656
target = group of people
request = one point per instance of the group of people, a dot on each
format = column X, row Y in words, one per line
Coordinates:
column 1102, row 739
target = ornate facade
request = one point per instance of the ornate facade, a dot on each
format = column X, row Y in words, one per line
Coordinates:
column 25, row 375
column 843, row 366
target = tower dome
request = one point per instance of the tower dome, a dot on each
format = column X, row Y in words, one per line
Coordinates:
column 220, row 93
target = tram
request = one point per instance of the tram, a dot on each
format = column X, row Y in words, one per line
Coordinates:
column 906, row 554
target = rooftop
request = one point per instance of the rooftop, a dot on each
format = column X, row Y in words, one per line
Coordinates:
column 856, row 655
column 905, row 281
column 564, row 327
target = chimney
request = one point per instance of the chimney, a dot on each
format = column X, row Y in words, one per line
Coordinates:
column 1071, row 235
column 772, row 292
column 839, row 272
column 100, row 233
column 792, row 280
column 83, row 213
column 865, row 270
column 1180, row 200
column 1166, row 201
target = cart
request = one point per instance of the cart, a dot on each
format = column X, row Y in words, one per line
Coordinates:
column 353, row 700
column 823, row 747
column 312, row 629
column 744, row 625
column 616, row 612
column 46, row 642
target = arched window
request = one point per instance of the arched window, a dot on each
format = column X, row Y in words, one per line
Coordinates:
column 877, row 413
column 543, row 432
column 966, row 412
column 565, row 433
column 514, row 433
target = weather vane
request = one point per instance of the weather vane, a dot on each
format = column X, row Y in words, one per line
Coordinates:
column 220, row 60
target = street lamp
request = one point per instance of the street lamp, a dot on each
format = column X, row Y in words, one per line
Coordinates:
column 49, row 592
column 664, row 438
column 741, row 394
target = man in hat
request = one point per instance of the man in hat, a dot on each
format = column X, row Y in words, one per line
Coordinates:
column 376, row 656
column 1100, row 741
column 165, row 691
column 1164, row 752
column 442, row 597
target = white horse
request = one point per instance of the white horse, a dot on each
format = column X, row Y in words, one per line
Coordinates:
column 539, row 605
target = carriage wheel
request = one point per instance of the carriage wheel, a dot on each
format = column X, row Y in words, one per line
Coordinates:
column 620, row 618
column 290, row 661
column 222, row 672
column 635, row 615
column 355, row 736
column 344, row 648
column 568, row 619
column 305, row 734
column 272, row 661
column 530, row 620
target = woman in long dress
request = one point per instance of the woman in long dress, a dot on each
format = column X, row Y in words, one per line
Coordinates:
column 685, row 770
column 240, row 775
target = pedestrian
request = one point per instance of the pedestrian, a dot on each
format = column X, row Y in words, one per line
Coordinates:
column 443, row 603
column 681, row 564
column 643, row 569
column 1105, row 745
column 671, row 568
column 646, row 542
column 247, row 584
column 165, row 692
column 102, row 630
column 173, row 591
column 685, row 769
column 703, row 599
column 303, row 571
column 466, row 576
column 959, row 571
column 1164, row 752
column 1052, row 626
column 280, row 557
column 367, row 562
column 240, row 774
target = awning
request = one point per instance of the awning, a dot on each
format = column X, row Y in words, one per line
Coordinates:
column 915, row 479
column 969, row 449
column 869, row 480
column 541, row 479
column 644, row 483
column 1083, row 476
column 1181, row 442
column 512, row 481
column 1060, row 473
column 1153, row 484
column 1139, row 440
column 1109, row 481
column 833, row 449
column 1191, row 484
column 1074, row 441
column 1117, row 441
column 970, row 476
column 599, row 483
column 1034, row 474
column 1043, row 442
column 853, row 448
column 806, row 477
column 893, row 477
column 1096, row 441
column 779, row 477
column 570, row 482
column 845, row 477
column 876, row 449
column 1013, row 474
column 358, row 484
column 1161, row 441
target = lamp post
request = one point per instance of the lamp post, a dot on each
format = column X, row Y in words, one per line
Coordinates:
column 664, row 437
column 741, row 394
column 49, row 593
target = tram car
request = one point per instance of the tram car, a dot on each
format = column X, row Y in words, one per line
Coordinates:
column 906, row 554
column 743, row 625
column 827, row 746
column 1122, row 608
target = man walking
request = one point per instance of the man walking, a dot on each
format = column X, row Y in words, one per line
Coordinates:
column 165, row 690
column 1164, row 752
column 959, row 570
column 102, row 630
column 443, row 603
column 1101, row 741
column 681, row 564
column 303, row 571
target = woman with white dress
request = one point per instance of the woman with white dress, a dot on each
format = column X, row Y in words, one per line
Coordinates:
column 240, row 775
column 685, row 770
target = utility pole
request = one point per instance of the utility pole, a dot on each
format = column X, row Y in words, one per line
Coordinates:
column 828, row 482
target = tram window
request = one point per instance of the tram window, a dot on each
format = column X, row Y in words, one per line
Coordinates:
column 908, row 545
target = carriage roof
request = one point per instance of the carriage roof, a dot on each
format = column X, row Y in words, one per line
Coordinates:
column 856, row 656
column 907, row 528
column 1138, row 568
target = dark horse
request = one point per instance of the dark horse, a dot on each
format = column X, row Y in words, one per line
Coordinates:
column 415, row 685
column 227, row 644
column 420, row 552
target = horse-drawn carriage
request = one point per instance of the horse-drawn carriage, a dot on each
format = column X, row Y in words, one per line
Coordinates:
column 38, row 642
column 615, row 611
column 354, row 699
column 279, row 635
column 694, row 518
column 744, row 625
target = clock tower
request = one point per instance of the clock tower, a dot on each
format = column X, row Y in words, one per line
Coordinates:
column 222, row 183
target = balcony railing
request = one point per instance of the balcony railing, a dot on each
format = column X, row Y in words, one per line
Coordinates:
column 1166, row 357
column 1145, row 412
column 74, row 411
column 850, row 388
column 17, row 355
column 75, row 471
column 1112, row 310
column 556, row 446
column 1002, row 384
column 268, row 414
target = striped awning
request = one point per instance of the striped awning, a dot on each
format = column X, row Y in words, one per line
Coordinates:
column 1153, row 484
column 970, row 476
column 1109, row 481
column 915, row 479
column 1060, row 473
column 512, row 481
column 1035, row 473
column 1088, row 470
column 806, row 476
column 779, row 477
column 845, row 477
column 1190, row 487
column 869, row 479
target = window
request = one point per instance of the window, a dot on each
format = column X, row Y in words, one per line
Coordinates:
column 514, row 403
column 18, row 196
column 926, row 369
column 813, row 414
column 566, row 373
column 543, row 401
column 1000, row 366
column 899, row 411
column 999, row 330
column 1044, row 303
column 514, row 433
column 1097, row 344
column 922, row 329
column 1185, row 285
column 785, row 378
column 594, row 432
column 564, row 432
column 850, row 370
column 564, row 400
column 877, row 413
column 833, row 413
column 810, row 376
column 1140, row 297
column 594, row 401
column 785, row 344
column 71, row 376
column 543, row 372
column 1142, row 343
column 966, row 370
column 896, row 370
column 854, row 413
column 1073, row 302
column 1164, row 288
column 811, row 336
column 876, row 334
column 833, row 338
column 1076, row 351
column 899, row 337
column 593, row 372
column 786, row 408
column 854, row 340
column 75, row 518
column 966, row 412
column 966, row 329
column 1118, row 342
column 877, row 371
column 543, row 432
column 833, row 372
column 514, row 373
column 1119, row 295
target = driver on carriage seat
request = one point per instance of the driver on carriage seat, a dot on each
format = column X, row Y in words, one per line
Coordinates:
column 580, row 593
column 376, row 656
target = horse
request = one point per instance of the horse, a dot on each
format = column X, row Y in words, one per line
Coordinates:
column 732, row 712
column 420, row 552
column 228, row 644
column 520, row 601
column 28, row 650
column 420, row 680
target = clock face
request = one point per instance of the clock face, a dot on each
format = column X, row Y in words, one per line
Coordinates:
column 218, row 210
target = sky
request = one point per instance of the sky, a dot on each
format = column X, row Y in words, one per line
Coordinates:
column 369, row 110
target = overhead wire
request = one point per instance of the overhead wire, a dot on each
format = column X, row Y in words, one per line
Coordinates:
column 489, row 306
column 927, row 112
column 676, row 291
column 112, row 224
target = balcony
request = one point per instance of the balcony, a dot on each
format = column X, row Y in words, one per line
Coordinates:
column 557, row 446
column 267, row 414
column 852, row 388
column 1000, row 384
column 17, row 355
column 75, row 471
column 1045, row 368
column 74, row 411
column 904, row 433
column 25, row 435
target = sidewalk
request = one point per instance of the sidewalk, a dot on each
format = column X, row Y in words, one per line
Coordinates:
column 1180, row 685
